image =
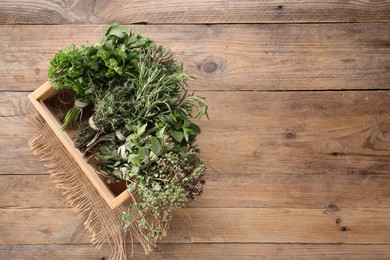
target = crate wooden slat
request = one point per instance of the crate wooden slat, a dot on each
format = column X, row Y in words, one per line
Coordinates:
column 37, row 98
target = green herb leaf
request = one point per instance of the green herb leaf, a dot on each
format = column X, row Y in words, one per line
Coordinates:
column 187, row 123
column 131, row 187
column 143, row 153
column 134, row 159
column 186, row 132
column 161, row 132
column 142, row 129
column 117, row 30
column 155, row 145
column 154, row 156
column 134, row 170
column 195, row 128
column 126, row 217
column 133, row 37
column 117, row 163
column 177, row 135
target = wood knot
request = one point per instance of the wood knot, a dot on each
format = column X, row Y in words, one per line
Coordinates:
column 280, row 7
column 335, row 154
column 331, row 210
column 289, row 134
column 210, row 67
column 333, row 207
column 37, row 71
column 338, row 220
column 379, row 139
column 344, row 229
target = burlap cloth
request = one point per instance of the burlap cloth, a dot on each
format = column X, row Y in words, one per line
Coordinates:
column 104, row 224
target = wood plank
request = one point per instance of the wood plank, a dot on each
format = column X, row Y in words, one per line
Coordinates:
column 329, row 148
column 15, row 133
column 228, row 190
column 52, row 226
column 16, row 130
column 225, row 57
column 15, row 104
column 30, row 191
column 297, row 132
column 184, row 12
column 16, row 156
column 272, row 132
column 202, row 251
column 232, row 225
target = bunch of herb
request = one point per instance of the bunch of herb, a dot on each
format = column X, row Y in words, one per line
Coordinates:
column 141, row 128
column 90, row 68
column 161, row 163
column 159, row 158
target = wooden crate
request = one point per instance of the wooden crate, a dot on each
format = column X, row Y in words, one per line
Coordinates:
column 37, row 98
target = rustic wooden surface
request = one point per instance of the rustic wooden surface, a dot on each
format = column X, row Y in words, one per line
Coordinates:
column 297, row 145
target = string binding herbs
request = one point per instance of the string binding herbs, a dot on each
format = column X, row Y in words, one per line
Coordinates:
column 141, row 129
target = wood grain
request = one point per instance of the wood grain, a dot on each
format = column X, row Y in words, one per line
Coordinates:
column 255, row 145
column 297, row 132
column 225, row 57
column 24, row 226
column 15, row 154
column 277, row 132
column 223, row 190
column 30, row 191
column 297, row 146
column 184, row 12
column 201, row 251
column 232, row 225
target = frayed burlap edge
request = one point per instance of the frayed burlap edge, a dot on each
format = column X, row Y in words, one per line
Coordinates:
column 104, row 224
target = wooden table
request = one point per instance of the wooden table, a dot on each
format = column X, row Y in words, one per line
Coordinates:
column 297, row 145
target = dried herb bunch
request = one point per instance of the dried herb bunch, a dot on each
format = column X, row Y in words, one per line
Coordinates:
column 140, row 130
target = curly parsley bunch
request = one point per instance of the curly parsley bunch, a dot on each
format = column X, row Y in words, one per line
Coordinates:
column 91, row 68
